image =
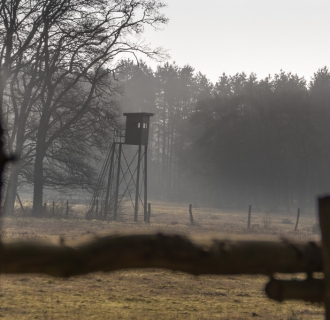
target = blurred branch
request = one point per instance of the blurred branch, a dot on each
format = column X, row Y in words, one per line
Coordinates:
column 324, row 218
column 160, row 251
column 310, row 290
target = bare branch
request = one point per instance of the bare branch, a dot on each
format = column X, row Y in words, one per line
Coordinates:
column 161, row 251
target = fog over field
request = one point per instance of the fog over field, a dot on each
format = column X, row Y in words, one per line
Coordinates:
column 251, row 132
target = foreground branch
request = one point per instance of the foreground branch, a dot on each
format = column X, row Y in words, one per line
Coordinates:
column 324, row 217
column 310, row 290
column 161, row 251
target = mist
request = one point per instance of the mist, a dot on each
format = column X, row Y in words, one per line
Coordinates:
column 237, row 142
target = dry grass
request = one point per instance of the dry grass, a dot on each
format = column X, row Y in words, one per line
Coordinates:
column 152, row 294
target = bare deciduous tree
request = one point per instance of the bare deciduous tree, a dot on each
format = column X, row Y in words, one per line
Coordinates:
column 76, row 46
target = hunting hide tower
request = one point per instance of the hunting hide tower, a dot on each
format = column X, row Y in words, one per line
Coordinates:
column 136, row 134
column 137, row 128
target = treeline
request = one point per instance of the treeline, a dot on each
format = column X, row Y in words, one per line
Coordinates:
column 240, row 141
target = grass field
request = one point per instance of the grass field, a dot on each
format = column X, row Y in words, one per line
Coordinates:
column 152, row 293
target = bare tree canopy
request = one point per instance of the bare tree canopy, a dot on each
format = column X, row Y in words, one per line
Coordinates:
column 58, row 59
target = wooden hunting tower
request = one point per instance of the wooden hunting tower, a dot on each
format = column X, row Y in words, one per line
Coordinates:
column 137, row 128
column 118, row 173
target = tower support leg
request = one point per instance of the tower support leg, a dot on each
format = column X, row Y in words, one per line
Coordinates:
column 107, row 204
column 117, row 184
column 145, row 204
column 136, row 208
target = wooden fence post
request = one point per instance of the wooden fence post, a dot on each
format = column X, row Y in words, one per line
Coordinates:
column 191, row 215
column 298, row 215
column 53, row 210
column 249, row 217
column 67, row 209
column 45, row 208
column 149, row 212
column 324, row 216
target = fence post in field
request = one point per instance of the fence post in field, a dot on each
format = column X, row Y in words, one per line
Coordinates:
column 53, row 210
column 45, row 208
column 191, row 215
column 67, row 209
column 149, row 212
column 324, row 216
column 298, row 215
column 249, row 217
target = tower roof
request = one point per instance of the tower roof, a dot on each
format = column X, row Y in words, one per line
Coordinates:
column 148, row 114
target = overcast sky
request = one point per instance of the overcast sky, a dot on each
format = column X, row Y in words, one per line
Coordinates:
column 261, row 36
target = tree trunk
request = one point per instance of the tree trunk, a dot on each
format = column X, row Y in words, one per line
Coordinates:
column 11, row 190
column 38, row 177
column 38, row 184
column 15, row 167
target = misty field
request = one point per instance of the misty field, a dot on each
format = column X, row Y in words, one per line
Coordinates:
column 152, row 293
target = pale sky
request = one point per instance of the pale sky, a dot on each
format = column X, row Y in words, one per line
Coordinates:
column 261, row 36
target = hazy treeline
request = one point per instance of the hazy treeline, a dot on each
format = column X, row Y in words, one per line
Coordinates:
column 240, row 141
